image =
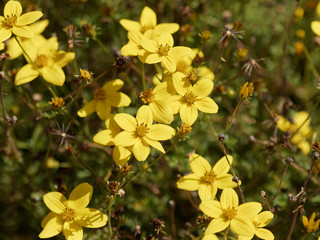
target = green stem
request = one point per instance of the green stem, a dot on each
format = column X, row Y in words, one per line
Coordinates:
column 312, row 68
column 101, row 45
column 225, row 236
column 143, row 77
column 109, row 215
column 25, row 53
column 233, row 115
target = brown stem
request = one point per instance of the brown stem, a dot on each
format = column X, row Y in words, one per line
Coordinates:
column 284, row 172
column 219, row 59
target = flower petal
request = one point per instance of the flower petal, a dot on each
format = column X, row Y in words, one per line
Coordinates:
column 53, row 74
column 216, row 225
column 161, row 132
column 315, row 26
column 206, row 105
column 126, row 122
column 104, row 137
column 249, row 209
column 130, row 49
column 89, row 108
column 225, row 181
column 55, row 201
column 169, row 64
column 91, row 218
column 103, row 109
column 47, row 218
column 153, row 58
column 161, row 111
column 189, row 182
column 52, row 228
column 155, row 144
column 141, row 150
column 126, row 139
column 188, row 113
column 40, row 26
column 62, row 58
column 117, row 99
column 212, row 208
column 180, row 84
column 242, row 226
column 121, row 155
column 264, row 234
column 144, row 115
column 12, row 8
column 265, row 218
column 5, row 34
column 130, row 25
column 167, row 27
column 222, row 166
column 207, row 192
column 72, row 231
column 229, row 199
column 113, row 86
column 149, row 45
column 148, row 17
column 81, row 195
column 23, row 31
column 26, row 74
column 202, row 88
column 210, row 237
column 198, row 164
column 28, row 18
column 180, row 51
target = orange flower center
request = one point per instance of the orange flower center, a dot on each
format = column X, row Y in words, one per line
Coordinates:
column 68, row 214
column 193, row 75
column 147, row 96
column 190, row 97
column 209, row 177
column 163, row 50
column 41, row 61
column 229, row 213
column 10, row 21
column 99, row 94
column 142, row 130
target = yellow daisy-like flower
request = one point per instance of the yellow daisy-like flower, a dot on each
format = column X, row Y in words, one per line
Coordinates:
column 14, row 22
column 14, row 50
column 70, row 215
column 121, row 155
column 228, row 212
column 105, row 98
column 48, row 62
column 300, row 137
column 260, row 221
column 315, row 27
column 148, row 21
column 140, row 133
column 193, row 98
column 163, row 51
column 310, row 224
column 206, row 179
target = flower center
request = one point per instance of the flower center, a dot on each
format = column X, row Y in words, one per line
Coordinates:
column 68, row 214
column 142, row 130
column 255, row 224
column 41, row 61
column 10, row 21
column 163, row 50
column 193, row 75
column 147, row 96
column 209, row 177
column 229, row 213
column 184, row 130
column 190, row 97
column 99, row 94
column 146, row 27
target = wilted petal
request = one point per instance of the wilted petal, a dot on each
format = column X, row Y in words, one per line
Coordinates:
column 81, row 195
column 189, row 182
column 91, row 218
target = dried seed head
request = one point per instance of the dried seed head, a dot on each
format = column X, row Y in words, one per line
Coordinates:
column 263, row 194
column 316, row 156
column 158, row 225
column 113, row 187
column 289, row 160
column 235, row 179
column 221, row 137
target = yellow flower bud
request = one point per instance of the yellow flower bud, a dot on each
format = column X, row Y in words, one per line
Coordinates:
column 300, row 33
column 246, row 90
column 298, row 14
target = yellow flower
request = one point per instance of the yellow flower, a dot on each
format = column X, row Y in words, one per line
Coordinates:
column 228, row 212
column 148, row 21
column 121, row 155
column 105, row 98
column 206, row 179
column 37, row 28
column 163, row 51
column 315, row 26
column 299, row 138
column 69, row 216
column 260, row 221
column 14, row 22
column 1, row 46
column 193, row 98
column 199, row 73
column 140, row 133
column 246, row 90
column 157, row 100
column 48, row 62
column 310, row 225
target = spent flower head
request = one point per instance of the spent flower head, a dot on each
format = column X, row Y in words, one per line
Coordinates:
column 310, row 224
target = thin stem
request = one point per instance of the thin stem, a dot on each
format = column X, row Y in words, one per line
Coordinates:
column 284, row 172
column 233, row 115
column 312, row 68
column 143, row 77
column 109, row 215
column 225, row 235
column 101, row 45
column 219, row 59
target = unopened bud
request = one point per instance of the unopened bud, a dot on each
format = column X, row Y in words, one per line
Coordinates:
column 235, row 179
column 221, row 137
column 289, row 160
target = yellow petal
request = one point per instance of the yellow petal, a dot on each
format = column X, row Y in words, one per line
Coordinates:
column 169, row 64
column 202, row 88
column 72, row 231
column 264, row 234
column 53, row 74
column 210, row 237
column 189, row 182
column 103, row 109
column 13, row 48
column 91, row 218
column 135, row 37
column 225, row 181
column 148, row 17
column 180, row 51
column 305, row 221
column 242, row 226
column 206, row 105
column 126, row 122
column 62, row 58
column 155, row 144
column 188, row 113
column 249, row 209
column 40, row 26
column 26, row 74
column 12, row 8
column 222, row 166
column 264, row 218
column 167, row 27
column 28, row 18
column 141, row 150
column 130, row 49
column 104, row 137
column 198, row 164
column 55, row 201
column 126, row 139
column 113, row 86
column 117, row 99
column 283, row 124
column 1, row 46
column 211, row 208
column 207, row 192
column 216, row 225
column 144, row 115
column 89, row 108
column 81, row 195
column 23, row 31
column 47, row 218
column 121, row 155
column 315, row 26
column 161, row 111
column 5, row 34
column 149, row 45
column 130, row 25
column 52, row 228
column 153, row 58
column 229, row 199
column 161, row 132
column 180, row 84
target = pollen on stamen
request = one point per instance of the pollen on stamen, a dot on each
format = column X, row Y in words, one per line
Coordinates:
column 147, row 96
column 163, row 50
column 229, row 213
column 190, row 97
column 193, row 75
column 68, row 214
column 10, row 21
column 209, row 177
column 41, row 61
column 142, row 130
column 99, row 94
